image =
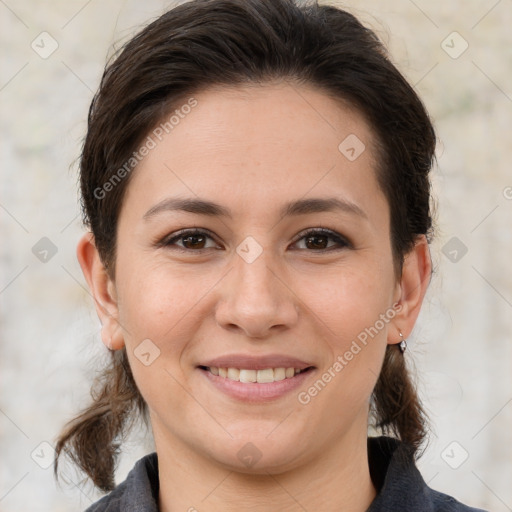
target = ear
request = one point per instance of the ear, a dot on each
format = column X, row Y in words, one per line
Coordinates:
column 416, row 273
column 103, row 291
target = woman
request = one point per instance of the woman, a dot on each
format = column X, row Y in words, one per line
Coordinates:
column 255, row 180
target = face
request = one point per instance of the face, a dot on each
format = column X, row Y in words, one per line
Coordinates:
column 276, row 276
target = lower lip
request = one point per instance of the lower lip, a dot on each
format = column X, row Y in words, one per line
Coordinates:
column 255, row 391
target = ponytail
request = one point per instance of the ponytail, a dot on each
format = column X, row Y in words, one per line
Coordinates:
column 397, row 409
column 93, row 439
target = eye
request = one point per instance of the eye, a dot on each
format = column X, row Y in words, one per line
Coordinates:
column 191, row 239
column 317, row 240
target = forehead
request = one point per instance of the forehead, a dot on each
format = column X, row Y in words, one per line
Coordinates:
column 258, row 144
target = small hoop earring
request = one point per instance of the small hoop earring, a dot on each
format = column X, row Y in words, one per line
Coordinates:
column 403, row 344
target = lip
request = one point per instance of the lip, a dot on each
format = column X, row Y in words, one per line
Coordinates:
column 247, row 362
column 255, row 391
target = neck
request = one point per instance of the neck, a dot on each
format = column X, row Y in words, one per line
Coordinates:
column 338, row 480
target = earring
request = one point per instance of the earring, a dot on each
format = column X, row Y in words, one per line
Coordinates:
column 403, row 344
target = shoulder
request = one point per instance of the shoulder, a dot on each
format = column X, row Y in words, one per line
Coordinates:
column 399, row 483
column 137, row 493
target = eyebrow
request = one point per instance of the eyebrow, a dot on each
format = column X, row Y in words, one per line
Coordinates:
column 299, row 207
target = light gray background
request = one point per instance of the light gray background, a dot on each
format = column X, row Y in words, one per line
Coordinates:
column 50, row 333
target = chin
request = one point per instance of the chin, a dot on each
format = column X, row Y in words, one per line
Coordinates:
column 259, row 453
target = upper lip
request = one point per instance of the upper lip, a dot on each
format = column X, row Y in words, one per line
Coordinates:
column 248, row 362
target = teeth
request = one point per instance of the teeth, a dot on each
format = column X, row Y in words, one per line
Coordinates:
column 265, row 375
column 247, row 375
column 260, row 376
column 279, row 373
column 234, row 374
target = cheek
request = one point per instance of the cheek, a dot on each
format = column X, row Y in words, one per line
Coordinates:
column 154, row 299
column 158, row 313
column 355, row 313
column 163, row 303
column 353, row 302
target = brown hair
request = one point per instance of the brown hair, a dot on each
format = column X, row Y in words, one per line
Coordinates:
column 203, row 43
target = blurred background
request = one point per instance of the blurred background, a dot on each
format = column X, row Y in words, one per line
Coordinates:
column 458, row 56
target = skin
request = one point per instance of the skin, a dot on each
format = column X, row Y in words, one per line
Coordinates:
column 253, row 149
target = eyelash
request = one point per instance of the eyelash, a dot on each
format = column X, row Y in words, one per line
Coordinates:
column 340, row 240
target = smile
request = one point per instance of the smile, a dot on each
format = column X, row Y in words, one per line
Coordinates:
column 256, row 386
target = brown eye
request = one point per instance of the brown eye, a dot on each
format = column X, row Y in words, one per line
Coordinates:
column 318, row 240
column 191, row 240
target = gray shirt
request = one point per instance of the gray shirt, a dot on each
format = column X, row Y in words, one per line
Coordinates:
column 399, row 484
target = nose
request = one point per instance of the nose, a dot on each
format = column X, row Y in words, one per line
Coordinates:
column 255, row 299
